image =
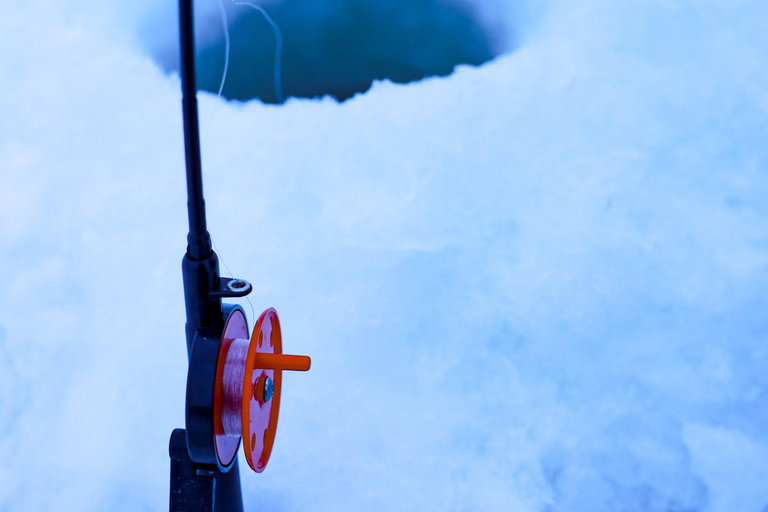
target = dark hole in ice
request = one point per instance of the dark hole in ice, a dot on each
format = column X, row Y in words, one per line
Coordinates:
column 335, row 47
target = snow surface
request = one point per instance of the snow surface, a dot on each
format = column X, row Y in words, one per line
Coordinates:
column 539, row 285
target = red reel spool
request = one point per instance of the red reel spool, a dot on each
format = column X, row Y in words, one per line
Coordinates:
column 247, row 393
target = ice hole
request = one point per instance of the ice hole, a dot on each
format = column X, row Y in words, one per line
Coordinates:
column 333, row 47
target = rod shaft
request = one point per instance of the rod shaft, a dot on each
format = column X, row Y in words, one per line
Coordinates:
column 198, row 240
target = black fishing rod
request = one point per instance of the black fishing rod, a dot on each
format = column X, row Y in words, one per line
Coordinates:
column 233, row 383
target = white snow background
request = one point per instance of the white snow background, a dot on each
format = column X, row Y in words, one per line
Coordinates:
column 537, row 285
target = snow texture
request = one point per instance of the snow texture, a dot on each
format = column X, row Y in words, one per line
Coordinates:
column 538, row 285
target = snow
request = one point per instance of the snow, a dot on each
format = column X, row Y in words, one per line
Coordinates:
column 537, row 285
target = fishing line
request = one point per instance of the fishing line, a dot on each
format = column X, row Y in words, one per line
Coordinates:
column 227, row 46
column 278, row 46
column 277, row 85
column 225, row 24
column 253, row 312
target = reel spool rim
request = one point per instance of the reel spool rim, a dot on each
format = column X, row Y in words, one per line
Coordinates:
column 226, row 446
column 248, row 393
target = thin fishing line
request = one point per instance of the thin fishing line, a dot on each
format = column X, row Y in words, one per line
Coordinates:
column 253, row 312
column 278, row 47
column 225, row 25
column 277, row 85
column 221, row 258
column 227, row 47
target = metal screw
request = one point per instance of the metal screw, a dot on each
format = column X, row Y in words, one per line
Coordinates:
column 263, row 389
column 269, row 389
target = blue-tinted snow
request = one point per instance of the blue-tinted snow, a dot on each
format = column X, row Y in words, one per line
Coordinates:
column 535, row 286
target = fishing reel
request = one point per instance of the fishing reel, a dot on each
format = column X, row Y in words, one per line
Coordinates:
column 246, row 399
column 233, row 390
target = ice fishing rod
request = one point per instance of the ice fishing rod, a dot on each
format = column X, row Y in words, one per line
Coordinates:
column 233, row 380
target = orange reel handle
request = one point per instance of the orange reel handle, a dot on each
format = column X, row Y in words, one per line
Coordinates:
column 267, row 361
